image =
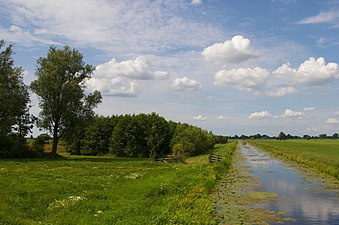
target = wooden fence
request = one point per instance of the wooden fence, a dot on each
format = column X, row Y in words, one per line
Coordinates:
column 212, row 158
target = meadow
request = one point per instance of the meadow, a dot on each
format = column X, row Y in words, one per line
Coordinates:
column 110, row 190
column 322, row 155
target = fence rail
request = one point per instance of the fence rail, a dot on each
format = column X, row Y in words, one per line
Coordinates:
column 212, row 158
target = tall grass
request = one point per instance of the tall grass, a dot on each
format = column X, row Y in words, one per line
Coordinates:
column 323, row 155
column 108, row 190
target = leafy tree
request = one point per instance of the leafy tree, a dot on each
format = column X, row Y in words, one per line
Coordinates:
column 14, row 95
column 97, row 135
column 158, row 137
column 322, row 136
column 306, row 136
column 282, row 136
column 119, row 139
column 335, row 136
column 193, row 139
column 60, row 89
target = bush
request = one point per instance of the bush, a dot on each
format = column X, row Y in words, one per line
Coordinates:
column 13, row 146
column 39, row 143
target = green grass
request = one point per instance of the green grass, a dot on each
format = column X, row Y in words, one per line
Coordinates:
column 323, row 155
column 108, row 190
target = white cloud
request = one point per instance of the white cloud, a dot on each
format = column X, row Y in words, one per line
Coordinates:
column 289, row 113
column 323, row 17
column 118, row 78
column 135, row 69
column 114, row 26
column 199, row 117
column 236, row 50
column 221, row 117
column 311, row 72
column 260, row 115
column 196, row 2
column 25, row 37
column 243, row 78
column 185, row 84
column 113, row 87
column 332, row 121
column 308, row 109
column 282, row 91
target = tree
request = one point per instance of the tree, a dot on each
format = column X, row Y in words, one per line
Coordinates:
column 61, row 91
column 282, row 136
column 335, row 136
column 158, row 136
column 97, row 135
column 322, row 136
column 14, row 95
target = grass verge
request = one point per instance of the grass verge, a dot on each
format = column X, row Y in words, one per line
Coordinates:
column 108, row 190
column 322, row 155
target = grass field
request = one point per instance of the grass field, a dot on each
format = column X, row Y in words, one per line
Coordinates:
column 323, row 155
column 108, row 190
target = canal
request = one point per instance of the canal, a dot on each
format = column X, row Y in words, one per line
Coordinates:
column 304, row 198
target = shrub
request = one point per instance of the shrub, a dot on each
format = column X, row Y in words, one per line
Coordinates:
column 39, row 143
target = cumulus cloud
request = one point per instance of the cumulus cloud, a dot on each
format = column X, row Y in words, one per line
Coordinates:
column 260, row 115
column 251, row 79
column 221, row 117
column 199, row 117
column 236, row 50
column 282, row 91
column 113, row 87
column 289, row 113
column 311, row 72
column 332, row 121
column 185, row 84
column 138, row 69
column 119, row 78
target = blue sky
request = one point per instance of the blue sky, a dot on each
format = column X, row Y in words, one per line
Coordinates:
column 232, row 67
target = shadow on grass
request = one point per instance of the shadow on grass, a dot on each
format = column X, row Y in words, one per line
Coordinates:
column 60, row 157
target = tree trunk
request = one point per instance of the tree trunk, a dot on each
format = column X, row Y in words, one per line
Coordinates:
column 55, row 140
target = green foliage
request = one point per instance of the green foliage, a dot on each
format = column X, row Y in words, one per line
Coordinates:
column 97, row 135
column 39, row 143
column 14, row 146
column 192, row 140
column 282, row 136
column 14, row 97
column 60, row 89
column 143, row 135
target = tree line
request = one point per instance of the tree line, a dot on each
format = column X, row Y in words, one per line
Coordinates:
column 67, row 112
column 141, row 135
column 283, row 136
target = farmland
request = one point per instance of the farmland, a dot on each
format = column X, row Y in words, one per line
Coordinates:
column 322, row 155
column 103, row 190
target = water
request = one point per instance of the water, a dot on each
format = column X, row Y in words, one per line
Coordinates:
column 306, row 202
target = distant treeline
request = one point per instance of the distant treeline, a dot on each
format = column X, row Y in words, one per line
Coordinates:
column 288, row 136
column 141, row 135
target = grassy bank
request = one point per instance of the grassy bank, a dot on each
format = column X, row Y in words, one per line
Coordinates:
column 106, row 190
column 323, row 155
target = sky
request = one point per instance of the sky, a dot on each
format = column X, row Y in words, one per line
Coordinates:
column 231, row 67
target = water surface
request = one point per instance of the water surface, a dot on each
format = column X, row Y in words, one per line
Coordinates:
column 303, row 199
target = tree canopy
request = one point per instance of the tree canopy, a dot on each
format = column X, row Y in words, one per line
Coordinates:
column 60, row 87
column 14, row 96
